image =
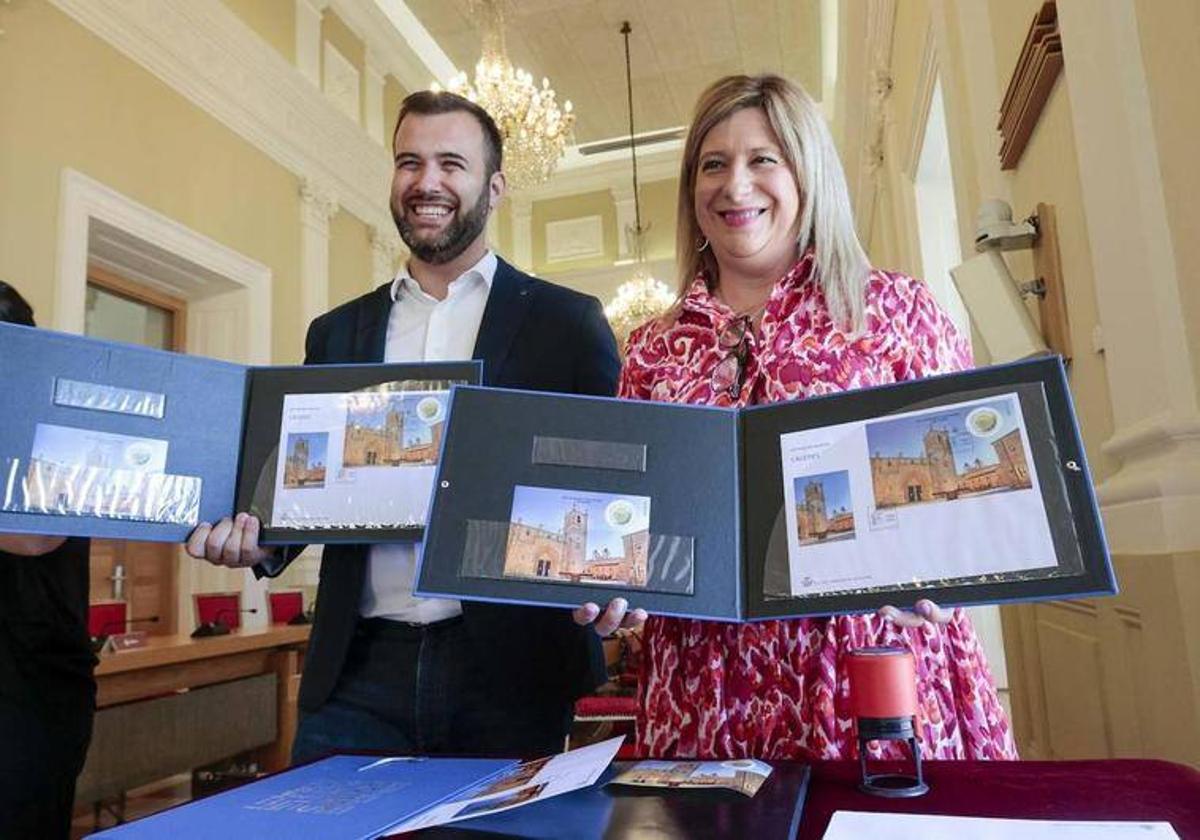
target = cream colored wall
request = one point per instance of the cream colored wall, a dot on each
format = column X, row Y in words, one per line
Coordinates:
column 1170, row 41
column 1047, row 172
column 69, row 100
column 572, row 207
column 1114, row 676
column 658, row 207
column 350, row 269
column 502, row 241
column 658, row 200
column 273, row 20
column 393, row 95
column 335, row 31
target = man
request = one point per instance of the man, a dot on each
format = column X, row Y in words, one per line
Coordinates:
column 387, row 670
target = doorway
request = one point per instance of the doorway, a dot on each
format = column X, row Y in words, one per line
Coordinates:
column 145, row 575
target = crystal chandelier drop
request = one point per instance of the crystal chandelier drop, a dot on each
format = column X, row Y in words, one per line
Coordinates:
column 638, row 300
column 535, row 130
column 641, row 297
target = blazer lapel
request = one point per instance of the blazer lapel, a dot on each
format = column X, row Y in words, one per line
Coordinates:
column 507, row 304
column 371, row 335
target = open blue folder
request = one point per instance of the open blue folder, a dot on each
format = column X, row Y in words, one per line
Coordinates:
column 965, row 488
column 103, row 439
column 342, row 797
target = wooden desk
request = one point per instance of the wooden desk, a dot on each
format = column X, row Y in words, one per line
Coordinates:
column 163, row 708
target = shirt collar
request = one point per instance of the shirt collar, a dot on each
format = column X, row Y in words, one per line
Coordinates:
column 702, row 300
column 484, row 270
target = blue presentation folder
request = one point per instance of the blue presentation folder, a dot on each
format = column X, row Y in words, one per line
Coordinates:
column 341, row 797
column 104, row 408
column 735, row 514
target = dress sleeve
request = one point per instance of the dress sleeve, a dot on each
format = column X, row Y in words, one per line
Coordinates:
column 932, row 344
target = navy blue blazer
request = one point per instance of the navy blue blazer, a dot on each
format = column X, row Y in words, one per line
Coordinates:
column 536, row 336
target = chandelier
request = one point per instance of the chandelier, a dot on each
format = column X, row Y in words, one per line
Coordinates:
column 535, row 130
column 641, row 297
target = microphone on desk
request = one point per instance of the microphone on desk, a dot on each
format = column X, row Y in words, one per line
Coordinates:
column 216, row 627
column 99, row 640
column 300, row 618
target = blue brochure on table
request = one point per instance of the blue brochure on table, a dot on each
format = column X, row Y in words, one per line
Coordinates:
column 341, row 796
column 966, row 488
column 348, row 797
column 102, row 439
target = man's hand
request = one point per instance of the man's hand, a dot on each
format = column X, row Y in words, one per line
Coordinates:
column 617, row 615
column 925, row 610
column 231, row 542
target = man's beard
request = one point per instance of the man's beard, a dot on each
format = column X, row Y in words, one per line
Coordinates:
column 460, row 233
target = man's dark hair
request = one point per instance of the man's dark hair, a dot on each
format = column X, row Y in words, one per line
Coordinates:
column 428, row 102
column 14, row 309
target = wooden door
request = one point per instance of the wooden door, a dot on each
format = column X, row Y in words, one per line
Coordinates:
column 143, row 574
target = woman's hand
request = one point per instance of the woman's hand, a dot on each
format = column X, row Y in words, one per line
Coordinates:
column 924, row 610
column 617, row 615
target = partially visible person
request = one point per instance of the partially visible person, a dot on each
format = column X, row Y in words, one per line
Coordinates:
column 47, row 691
column 778, row 302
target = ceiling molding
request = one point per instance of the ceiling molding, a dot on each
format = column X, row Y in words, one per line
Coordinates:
column 397, row 41
column 203, row 51
column 608, row 171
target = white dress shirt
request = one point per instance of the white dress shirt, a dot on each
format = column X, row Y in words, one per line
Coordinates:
column 423, row 329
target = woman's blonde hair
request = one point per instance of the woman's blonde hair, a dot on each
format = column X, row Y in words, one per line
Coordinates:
column 826, row 223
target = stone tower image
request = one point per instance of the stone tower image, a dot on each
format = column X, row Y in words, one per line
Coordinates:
column 637, row 552
column 574, row 541
column 814, row 501
column 393, row 428
column 941, row 463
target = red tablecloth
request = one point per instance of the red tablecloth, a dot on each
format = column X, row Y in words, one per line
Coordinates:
column 1077, row 790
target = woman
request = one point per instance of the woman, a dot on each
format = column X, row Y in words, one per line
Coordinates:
column 778, row 302
column 47, row 691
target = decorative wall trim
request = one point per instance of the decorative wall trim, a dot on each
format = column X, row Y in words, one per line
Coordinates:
column 204, row 52
column 876, row 54
column 581, row 175
column 574, row 239
column 340, row 83
column 83, row 199
column 317, row 207
column 927, row 79
column 1037, row 69
column 1150, row 502
column 521, row 208
column 406, row 49
column 385, row 251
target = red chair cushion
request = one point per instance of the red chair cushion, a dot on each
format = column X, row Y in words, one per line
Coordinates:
column 597, row 707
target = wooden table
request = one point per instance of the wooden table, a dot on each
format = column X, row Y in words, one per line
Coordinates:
column 165, row 708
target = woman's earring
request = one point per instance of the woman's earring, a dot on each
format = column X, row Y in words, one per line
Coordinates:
column 702, row 244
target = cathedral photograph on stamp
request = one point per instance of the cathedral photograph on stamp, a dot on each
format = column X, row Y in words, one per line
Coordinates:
column 576, row 536
column 307, row 454
column 398, row 429
column 824, row 507
column 945, row 454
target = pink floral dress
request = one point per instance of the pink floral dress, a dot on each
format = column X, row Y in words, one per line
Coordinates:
column 777, row 689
